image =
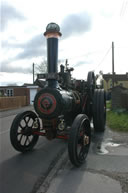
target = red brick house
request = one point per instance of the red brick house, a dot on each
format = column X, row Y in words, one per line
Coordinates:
column 17, row 95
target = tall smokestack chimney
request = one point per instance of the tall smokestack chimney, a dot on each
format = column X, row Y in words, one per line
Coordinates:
column 52, row 34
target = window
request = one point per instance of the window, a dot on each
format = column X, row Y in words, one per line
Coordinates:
column 9, row 92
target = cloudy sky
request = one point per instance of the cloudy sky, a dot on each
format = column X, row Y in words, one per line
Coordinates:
column 88, row 28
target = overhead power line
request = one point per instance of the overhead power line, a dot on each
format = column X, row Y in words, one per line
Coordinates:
column 123, row 8
column 80, row 56
column 103, row 58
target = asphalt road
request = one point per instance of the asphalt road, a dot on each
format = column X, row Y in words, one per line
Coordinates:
column 23, row 173
column 48, row 169
column 105, row 170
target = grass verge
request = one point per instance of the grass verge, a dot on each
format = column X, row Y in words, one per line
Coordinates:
column 117, row 121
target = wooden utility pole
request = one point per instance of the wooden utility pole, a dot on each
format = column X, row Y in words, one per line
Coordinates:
column 113, row 73
column 33, row 67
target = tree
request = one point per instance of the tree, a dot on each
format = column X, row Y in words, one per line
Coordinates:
column 101, row 72
column 41, row 68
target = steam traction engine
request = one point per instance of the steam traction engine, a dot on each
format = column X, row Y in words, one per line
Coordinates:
column 63, row 108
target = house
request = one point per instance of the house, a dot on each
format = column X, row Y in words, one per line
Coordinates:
column 17, row 96
column 119, row 79
column 118, row 93
column 33, row 89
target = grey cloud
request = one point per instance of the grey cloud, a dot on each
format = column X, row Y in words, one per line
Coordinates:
column 81, row 63
column 5, row 67
column 76, row 24
column 36, row 41
column 33, row 48
column 9, row 13
column 6, row 44
column 73, row 24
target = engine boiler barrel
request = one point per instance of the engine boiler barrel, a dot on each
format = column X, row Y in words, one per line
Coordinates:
column 50, row 103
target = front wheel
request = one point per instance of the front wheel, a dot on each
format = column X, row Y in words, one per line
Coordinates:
column 79, row 140
column 21, row 132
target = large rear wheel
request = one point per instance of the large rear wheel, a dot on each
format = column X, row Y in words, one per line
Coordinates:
column 91, row 83
column 21, row 132
column 99, row 110
column 79, row 140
